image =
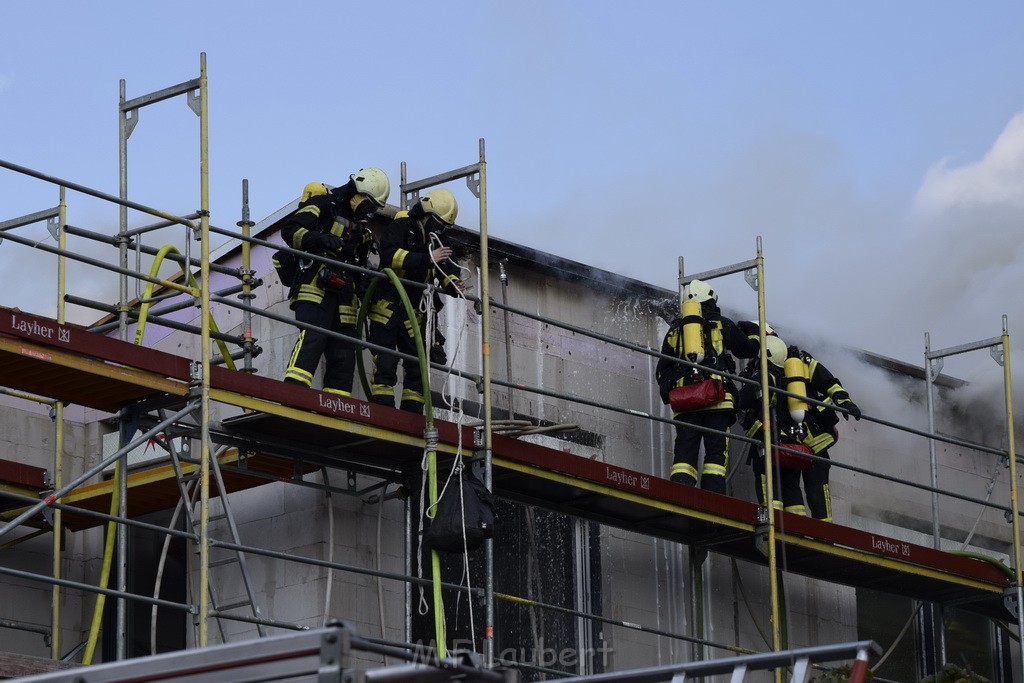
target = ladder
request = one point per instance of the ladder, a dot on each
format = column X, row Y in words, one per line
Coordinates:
column 798, row 661
column 188, row 486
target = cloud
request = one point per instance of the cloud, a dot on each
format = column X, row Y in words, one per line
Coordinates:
column 957, row 267
column 995, row 180
column 964, row 250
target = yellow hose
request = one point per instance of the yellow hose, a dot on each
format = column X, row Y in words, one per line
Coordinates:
column 144, row 309
column 435, row 559
column 108, row 555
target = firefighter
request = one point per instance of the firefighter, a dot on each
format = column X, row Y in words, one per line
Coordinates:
column 820, row 427
column 785, row 430
column 411, row 246
column 333, row 223
column 718, row 336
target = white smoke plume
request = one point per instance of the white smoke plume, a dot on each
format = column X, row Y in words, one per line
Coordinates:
column 952, row 268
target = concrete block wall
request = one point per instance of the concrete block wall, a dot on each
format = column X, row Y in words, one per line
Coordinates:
column 27, row 435
column 643, row 579
column 292, row 519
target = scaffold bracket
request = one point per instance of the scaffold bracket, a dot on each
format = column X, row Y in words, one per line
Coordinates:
column 762, row 518
column 131, row 119
column 750, row 275
column 1010, row 600
column 997, row 354
column 473, row 183
column 194, row 101
column 195, row 371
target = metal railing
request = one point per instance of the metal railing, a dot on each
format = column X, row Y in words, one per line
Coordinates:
column 246, row 345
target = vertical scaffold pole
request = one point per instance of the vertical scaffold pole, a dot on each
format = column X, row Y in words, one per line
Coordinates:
column 58, row 446
column 485, row 355
column 204, row 307
column 773, row 578
column 929, row 379
column 247, row 273
column 126, row 122
column 1014, row 493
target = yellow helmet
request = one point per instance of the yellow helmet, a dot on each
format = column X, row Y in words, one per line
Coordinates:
column 313, row 190
column 373, row 183
column 699, row 291
column 440, row 203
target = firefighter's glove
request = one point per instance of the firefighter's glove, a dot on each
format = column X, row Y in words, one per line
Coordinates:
column 853, row 409
column 321, row 242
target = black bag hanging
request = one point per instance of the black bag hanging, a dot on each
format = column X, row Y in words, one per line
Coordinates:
column 287, row 266
column 476, row 509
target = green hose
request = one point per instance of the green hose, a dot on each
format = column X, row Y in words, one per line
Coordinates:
column 435, row 559
column 108, row 556
column 985, row 558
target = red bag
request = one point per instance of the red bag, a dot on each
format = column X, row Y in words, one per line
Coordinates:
column 792, row 461
column 696, row 396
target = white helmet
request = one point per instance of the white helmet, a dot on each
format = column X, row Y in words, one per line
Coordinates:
column 769, row 331
column 699, row 291
column 777, row 351
column 440, row 203
column 373, row 183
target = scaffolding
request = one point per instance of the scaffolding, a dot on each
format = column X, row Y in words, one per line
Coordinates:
column 169, row 396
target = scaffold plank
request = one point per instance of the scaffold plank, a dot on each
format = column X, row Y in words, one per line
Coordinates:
column 156, row 488
column 344, row 430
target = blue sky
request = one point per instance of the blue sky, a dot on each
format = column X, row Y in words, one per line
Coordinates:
column 872, row 145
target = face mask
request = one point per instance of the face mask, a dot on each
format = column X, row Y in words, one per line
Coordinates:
column 362, row 208
column 435, row 224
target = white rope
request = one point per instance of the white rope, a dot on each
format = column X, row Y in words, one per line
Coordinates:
column 436, row 243
column 988, row 496
column 330, row 548
column 423, row 607
column 456, row 408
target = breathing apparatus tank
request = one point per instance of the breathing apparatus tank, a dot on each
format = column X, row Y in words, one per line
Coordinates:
column 797, row 375
column 693, row 331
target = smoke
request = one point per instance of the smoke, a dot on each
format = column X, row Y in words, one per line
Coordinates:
column 963, row 263
column 950, row 267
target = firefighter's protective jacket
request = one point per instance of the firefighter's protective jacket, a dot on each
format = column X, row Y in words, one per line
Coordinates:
column 721, row 335
column 750, row 405
column 821, row 420
column 332, row 215
column 405, row 248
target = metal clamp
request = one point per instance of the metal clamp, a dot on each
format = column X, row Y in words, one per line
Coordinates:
column 430, row 438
